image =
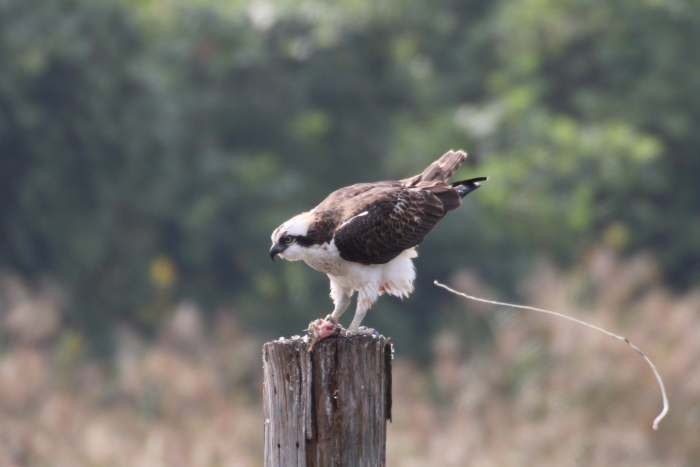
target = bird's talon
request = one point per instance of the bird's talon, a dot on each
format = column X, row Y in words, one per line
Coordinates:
column 330, row 319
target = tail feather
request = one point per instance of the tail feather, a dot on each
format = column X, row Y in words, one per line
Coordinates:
column 440, row 170
column 465, row 187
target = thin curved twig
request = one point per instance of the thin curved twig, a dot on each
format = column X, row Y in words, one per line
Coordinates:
column 523, row 307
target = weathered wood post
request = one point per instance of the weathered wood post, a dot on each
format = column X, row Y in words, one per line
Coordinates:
column 329, row 406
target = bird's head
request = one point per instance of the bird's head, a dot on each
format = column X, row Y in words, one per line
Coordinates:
column 288, row 238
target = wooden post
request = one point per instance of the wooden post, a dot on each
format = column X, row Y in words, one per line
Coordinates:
column 327, row 407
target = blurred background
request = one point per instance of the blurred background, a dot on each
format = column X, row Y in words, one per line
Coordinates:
column 148, row 148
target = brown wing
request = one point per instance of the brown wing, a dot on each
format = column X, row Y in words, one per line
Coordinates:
column 396, row 219
column 339, row 206
column 339, row 198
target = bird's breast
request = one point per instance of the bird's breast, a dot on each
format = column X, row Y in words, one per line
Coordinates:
column 325, row 258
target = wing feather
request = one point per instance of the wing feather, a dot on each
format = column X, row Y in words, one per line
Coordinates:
column 397, row 219
column 340, row 206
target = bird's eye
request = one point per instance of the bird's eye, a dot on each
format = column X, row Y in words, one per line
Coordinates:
column 287, row 239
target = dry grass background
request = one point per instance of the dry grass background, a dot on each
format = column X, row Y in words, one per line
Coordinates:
column 547, row 393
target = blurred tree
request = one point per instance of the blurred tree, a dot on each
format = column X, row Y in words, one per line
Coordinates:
column 617, row 80
column 148, row 149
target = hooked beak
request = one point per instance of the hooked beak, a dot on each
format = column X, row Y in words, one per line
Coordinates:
column 275, row 250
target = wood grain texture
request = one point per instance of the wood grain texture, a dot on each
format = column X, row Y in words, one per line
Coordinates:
column 327, row 407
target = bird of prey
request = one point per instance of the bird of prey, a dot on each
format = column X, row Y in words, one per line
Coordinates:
column 364, row 236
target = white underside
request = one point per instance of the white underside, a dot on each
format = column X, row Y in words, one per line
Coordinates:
column 370, row 281
column 395, row 277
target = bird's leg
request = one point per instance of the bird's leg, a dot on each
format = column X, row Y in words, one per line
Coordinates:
column 365, row 300
column 340, row 306
column 341, row 300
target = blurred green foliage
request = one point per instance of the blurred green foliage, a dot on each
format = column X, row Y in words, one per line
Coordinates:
column 148, row 149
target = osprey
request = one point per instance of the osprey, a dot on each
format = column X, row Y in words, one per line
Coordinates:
column 365, row 235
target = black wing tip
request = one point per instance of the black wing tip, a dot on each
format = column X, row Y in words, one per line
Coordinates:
column 464, row 187
column 471, row 181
